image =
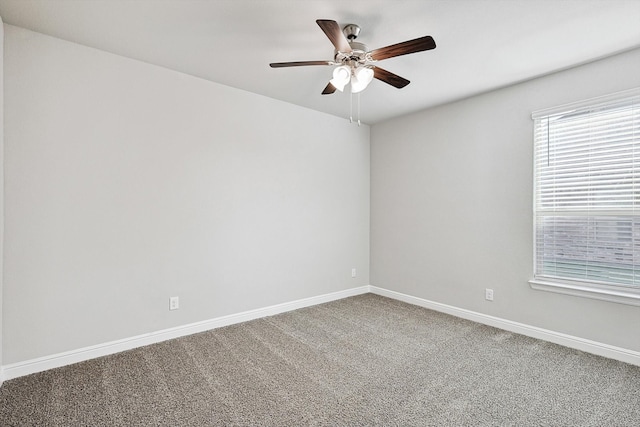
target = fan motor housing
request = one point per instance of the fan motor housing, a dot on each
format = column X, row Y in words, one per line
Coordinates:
column 358, row 53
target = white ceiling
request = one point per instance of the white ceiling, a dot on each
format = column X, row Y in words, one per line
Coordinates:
column 481, row 44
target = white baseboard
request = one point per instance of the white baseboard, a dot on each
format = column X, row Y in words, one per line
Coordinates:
column 19, row 369
column 600, row 349
column 32, row 366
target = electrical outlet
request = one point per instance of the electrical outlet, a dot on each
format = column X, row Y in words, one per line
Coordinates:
column 353, row 272
column 174, row 303
column 488, row 294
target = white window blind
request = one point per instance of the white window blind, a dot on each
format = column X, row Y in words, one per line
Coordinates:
column 587, row 194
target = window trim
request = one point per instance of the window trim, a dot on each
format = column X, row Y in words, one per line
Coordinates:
column 579, row 289
column 570, row 287
column 585, row 103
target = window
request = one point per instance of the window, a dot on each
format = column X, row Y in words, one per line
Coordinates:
column 587, row 198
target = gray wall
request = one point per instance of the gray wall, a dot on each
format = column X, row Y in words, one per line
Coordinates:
column 128, row 183
column 451, row 204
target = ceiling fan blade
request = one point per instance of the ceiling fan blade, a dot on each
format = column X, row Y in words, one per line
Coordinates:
column 334, row 32
column 404, row 48
column 299, row 63
column 390, row 78
column 329, row 89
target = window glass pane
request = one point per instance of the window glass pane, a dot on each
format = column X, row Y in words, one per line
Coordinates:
column 600, row 249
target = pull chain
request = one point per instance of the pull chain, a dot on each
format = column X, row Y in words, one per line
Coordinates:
column 350, row 107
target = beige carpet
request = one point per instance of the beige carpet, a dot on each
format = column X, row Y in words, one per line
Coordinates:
column 365, row 360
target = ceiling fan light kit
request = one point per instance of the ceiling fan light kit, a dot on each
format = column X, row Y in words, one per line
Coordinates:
column 361, row 78
column 355, row 62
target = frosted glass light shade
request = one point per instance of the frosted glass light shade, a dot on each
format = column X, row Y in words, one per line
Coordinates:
column 361, row 78
column 341, row 76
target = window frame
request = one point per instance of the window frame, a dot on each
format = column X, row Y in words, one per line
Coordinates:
column 589, row 289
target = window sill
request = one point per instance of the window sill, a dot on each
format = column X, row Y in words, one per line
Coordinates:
column 620, row 297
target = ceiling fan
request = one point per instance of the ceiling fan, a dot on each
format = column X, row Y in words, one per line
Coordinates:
column 356, row 64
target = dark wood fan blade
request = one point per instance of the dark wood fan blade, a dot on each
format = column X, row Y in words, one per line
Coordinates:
column 390, row 78
column 334, row 32
column 329, row 89
column 404, row 48
column 298, row 63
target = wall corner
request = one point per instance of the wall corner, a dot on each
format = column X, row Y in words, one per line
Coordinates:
column 1, row 188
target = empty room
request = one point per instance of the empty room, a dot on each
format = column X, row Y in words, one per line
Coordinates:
column 331, row 213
